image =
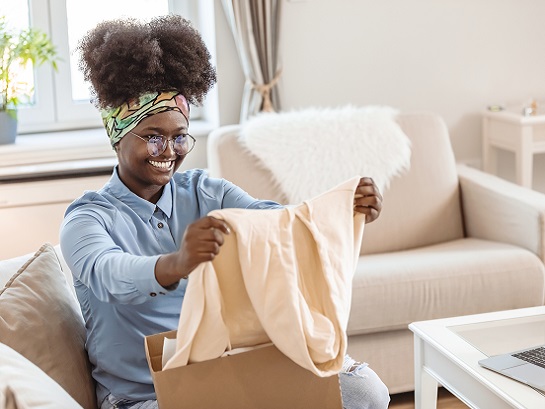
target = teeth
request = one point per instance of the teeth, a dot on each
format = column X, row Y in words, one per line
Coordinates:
column 162, row 165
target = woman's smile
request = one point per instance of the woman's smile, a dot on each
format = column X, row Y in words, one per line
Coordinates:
column 162, row 165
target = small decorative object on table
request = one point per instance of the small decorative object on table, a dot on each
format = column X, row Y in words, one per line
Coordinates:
column 530, row 109
column 495, row 108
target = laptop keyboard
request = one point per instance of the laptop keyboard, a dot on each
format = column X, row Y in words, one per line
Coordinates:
column 535, row 356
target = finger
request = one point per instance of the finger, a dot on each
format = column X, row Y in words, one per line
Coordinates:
column 207, row 251
column 366, row 209
column 206, row 239
column 369, row 201
column 371, row 206
column 207, row 256
column 209, row 247
column 366, row 181
column 368, row 206
column 371, row 216
column 367, row 190
column 370, row 212
column 218, row 224
column 217, row 236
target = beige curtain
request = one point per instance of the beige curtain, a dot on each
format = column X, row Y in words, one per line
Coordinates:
column 255, row 26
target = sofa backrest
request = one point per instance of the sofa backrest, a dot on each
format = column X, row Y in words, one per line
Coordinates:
column 420, row 207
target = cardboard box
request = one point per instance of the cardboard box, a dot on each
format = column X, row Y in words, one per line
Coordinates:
column 263, row 378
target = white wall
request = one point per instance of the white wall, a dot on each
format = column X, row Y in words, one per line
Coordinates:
column 452, row 57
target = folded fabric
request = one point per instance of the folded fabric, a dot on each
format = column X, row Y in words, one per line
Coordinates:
column 282, row 276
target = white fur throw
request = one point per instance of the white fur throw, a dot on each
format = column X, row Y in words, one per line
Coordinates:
column 313, row 150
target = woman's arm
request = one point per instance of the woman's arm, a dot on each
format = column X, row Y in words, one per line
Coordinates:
column 112, row 274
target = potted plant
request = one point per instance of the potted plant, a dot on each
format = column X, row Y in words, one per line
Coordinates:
column 16, row 51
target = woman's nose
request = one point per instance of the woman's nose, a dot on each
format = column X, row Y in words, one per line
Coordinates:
column 169, row 148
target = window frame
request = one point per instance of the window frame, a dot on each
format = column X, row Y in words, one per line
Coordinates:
column 54, row 109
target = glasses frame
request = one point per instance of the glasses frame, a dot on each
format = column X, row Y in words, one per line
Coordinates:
column 166, row 141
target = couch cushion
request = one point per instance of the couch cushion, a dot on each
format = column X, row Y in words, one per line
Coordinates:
column 41, row 320
column 420, row 208
column 465, row 276
column 24, row 385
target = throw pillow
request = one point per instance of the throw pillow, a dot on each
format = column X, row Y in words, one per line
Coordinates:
column 40, row 319
column 10, row 266
column 23, row 385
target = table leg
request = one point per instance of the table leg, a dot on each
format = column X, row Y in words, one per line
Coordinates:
column 489, row 152
column 425, row 386
column 524, row 157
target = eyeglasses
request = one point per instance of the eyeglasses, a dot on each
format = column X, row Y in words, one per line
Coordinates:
column 157, row 144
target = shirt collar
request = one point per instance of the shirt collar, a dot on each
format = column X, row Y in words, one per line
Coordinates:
column 142, row 207
column 165, row 201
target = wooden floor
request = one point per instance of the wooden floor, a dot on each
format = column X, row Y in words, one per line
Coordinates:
column 445, row 400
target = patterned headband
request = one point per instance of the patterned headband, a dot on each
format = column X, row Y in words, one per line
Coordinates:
column 121, row 120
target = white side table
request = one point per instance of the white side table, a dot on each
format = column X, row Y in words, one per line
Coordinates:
column 511, row 131
column 447, row 351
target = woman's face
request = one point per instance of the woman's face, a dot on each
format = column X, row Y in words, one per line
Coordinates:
column 143, row 174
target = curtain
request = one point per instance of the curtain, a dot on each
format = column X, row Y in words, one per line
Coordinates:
column 255, row 27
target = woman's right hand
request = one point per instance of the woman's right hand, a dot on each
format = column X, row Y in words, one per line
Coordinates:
column 201, row 242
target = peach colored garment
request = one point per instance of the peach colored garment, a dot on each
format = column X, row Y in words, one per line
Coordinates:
column 282, row 275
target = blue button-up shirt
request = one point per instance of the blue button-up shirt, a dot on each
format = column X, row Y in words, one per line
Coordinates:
column 111, row 240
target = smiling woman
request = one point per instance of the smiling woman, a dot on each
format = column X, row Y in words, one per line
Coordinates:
column 131, row 243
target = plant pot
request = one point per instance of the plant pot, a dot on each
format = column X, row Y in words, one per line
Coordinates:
column 8, row 127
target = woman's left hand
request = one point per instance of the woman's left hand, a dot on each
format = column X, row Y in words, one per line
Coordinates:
column 367, row 199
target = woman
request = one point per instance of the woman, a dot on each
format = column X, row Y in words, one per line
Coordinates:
column 132, row 244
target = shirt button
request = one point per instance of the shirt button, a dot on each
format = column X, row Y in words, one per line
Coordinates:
column 153, row 294
column 160, row 225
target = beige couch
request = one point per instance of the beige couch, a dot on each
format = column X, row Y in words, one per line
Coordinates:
column 451, row 240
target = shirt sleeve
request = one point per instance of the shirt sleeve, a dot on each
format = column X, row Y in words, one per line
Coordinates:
column 232, row 196
column 113, row 275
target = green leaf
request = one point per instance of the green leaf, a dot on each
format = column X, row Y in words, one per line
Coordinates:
column 18, row 49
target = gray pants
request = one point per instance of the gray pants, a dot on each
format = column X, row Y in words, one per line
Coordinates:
column 111, row 402
column 361, row 388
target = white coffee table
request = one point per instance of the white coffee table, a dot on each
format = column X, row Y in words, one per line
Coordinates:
column 447, row 352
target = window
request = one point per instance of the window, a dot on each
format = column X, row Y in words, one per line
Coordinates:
column 61, row 98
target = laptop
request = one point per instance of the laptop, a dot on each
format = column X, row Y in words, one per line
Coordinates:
column 526, row 366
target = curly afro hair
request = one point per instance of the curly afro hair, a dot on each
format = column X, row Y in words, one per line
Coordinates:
column 123, row 59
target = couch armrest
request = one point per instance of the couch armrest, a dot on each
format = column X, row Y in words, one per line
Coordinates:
column 498, row 210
